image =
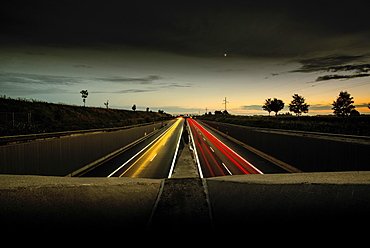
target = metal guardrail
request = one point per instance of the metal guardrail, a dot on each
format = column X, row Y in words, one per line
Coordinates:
column 27, row 137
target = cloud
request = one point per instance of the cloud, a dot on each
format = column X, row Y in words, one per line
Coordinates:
column 27, row 83
column 362, row 105
column 241, row 28
column 34, row 79
column 320, row 107
column 325, row 63
column 252, row 107
column 356, row 68
column 82, row 66
column 174, row 85
column 140, row 80
column 330, row 77
column 31, row 84
column 335, row 63
column 41, row 79
column 133, row 91
column 149, row 89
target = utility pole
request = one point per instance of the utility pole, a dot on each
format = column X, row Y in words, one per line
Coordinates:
column 225, row 102
column 206, row 110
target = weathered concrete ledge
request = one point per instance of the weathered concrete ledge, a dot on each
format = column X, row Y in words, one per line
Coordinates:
column 75, row 204
column 334, row 199
column 342, row 178
column 323, row 200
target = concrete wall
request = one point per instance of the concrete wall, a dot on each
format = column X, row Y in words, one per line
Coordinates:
column 291, row 202
column 309, row 153
column 60, row 156
column 302, row 205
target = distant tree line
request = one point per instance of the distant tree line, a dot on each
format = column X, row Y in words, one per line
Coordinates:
column 342, row 106
column 85, row 93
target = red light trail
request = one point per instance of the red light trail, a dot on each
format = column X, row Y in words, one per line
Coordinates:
column 221, row 160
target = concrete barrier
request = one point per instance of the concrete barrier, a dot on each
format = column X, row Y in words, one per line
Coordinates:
column 60, row 156
column 299, row 203
column 35, row 204
column 296, row 201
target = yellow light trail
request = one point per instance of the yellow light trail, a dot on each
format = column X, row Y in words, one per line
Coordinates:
column 152, row 152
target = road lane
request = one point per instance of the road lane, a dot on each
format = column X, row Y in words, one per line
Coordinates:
column 266, row 165
column 118, row 162
column 157, row 159
column 216, row 158
column 155, row 156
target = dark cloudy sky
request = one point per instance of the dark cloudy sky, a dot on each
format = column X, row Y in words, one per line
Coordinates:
column 171, row 55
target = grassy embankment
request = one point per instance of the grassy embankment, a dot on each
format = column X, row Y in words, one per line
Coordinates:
column 29, row 116
column 354, row 125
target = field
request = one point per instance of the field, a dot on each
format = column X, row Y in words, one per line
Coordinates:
column 354, row 125
column 20, row 116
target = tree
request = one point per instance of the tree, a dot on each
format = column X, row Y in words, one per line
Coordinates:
column 343, row 105
column 266, row 105
column 84, row 95
column 354, row 112
column 274, row 105
column 107, row 104
column 298, row 105
column 134, row 107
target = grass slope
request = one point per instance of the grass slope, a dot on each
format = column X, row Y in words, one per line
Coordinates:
column 25, row 117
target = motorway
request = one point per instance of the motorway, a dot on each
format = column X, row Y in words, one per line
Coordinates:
column 214, row 157
column 153, row 158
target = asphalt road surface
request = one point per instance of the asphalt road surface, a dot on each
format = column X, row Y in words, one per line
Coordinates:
column 218, row 156
column 153, row 158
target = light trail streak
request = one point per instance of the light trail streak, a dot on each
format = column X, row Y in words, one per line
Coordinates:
column 175, row 156
column 227, row 169
column 195, row 153
column 243, row 165
column 144, row 160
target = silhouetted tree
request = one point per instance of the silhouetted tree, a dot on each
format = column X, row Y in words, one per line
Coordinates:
column 298, row 105
column 134, row 107
column 354, row 112
column 147, row 110
column 84, row 95
column 266, row 105
column 274, row 105
column 343, row 105
column 107, row 104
